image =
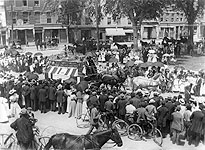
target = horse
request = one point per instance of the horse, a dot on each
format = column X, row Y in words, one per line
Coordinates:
column 117, row 79
column 68, row 141
column 121, row 46
column 144, row 82
column 80, row 48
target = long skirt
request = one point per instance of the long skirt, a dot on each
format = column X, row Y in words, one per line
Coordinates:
column 3, row 113
column 79, row 108
column 72, row 108
column 15, row 110
column 68, row 104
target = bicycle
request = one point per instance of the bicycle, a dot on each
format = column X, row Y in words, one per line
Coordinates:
column 83, row 120
column 145, row 129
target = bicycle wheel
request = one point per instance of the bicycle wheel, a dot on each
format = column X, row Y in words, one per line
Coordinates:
column 135, row 132
column 83, row 121
column 6, row 141
column 121, row 126
column 157, row 137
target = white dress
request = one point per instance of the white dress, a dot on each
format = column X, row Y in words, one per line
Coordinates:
column 85, row 97
column 15, row 108
column 202, row 89
column 3, row 110
column 68, row 93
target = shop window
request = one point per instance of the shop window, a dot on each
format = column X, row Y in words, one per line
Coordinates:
column 36, row 3
column 25, row 2
column 108, row 20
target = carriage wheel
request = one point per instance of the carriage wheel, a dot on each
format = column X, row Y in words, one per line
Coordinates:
column 43, row 141
column 157, row 137
column 121, row 126
column 83, row 121
column 135, row 132
column 6, row 141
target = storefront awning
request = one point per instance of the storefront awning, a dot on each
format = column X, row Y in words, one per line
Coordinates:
column 47, row 28
column 128, row 31
column 115, row 32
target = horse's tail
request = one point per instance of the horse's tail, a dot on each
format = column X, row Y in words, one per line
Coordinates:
column 49, row 144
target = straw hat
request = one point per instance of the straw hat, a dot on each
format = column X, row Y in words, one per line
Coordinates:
column 151, row 101
column 12, row 92
column 23, row 111
column 181, row 101
column 59, row 87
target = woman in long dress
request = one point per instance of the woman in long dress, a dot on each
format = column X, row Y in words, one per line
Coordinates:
column 15, row 108
column 68, row 94
column 3, row 110
column 85, row 98
column 72, row 106
column 79, row 105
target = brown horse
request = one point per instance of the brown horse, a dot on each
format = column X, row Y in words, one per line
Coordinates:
column 65, row 141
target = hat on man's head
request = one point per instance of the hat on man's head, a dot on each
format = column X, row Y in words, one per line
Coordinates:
column 151, row 101
column 29, row 108
column 110, row 97
column 181, row 101
column 12, row 92
column 23, row 111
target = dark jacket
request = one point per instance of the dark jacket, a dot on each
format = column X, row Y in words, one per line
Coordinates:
column 197, row 122
column 42, row 95
column 162, row 114
column 24, row 129
column 102, row 99
column 60, row 96
column 33, row 93
column 121, row 106
column 51, row 93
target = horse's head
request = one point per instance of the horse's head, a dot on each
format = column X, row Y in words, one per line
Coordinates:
column 115, row 136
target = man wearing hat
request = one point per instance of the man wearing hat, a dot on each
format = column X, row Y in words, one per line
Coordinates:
column 24, row 131
column 121, row 105
column 109, row 108
column 151, row 109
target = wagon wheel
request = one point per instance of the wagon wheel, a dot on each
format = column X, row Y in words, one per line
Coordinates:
column 6, row 141
column 43, row 141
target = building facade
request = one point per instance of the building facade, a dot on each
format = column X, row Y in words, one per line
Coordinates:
column 30, row 22
column 3, row 29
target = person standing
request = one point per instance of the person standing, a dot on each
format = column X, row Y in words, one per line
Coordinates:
column 15, row 108
column 177, row 125
column 68, row 94
column 33, row 95
column 24, row 130
column 79, row 105
column 196, row 127
column 52, row 97
column 26, row 94
column 42, row 98
column 3, row 109
column 60, row 97
column 121, row 104
column 72, row 107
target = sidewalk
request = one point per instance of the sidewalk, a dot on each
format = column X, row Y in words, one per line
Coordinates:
column 47, row 52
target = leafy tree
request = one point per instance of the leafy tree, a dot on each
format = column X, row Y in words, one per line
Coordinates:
column 192, row 10
column 136, row 10
column 69, row 12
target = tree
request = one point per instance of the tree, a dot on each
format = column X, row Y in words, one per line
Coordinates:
column 192, row 10
column 136, row 10
column 69, row 12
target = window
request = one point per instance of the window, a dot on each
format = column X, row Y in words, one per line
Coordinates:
column 25, row 17
column 129, row 21
column 36, row 3
column 172, row 19
column 25, row 3
column 119, row 21
column 37, row 17
column 108, row 20
column 14, row 21
column 161, row 19
column 181, row 19
column 48, row 17
column 177, row 19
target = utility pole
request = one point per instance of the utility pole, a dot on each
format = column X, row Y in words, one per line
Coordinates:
column 12, row 25
column 97, row 22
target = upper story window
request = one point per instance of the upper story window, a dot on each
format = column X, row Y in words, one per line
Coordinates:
column 37, row 17
column 48, row 14
column 108, row 20
column 25, row 17
column 25, row 2
column 36, row 3
column 129, row 21
column 119, row 21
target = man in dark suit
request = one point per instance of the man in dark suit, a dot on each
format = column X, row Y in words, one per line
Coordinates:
column 42, row 93
column 102, row 99
column 26, row 94
column 33, row 96
column 52, row 97
column 121, row 104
